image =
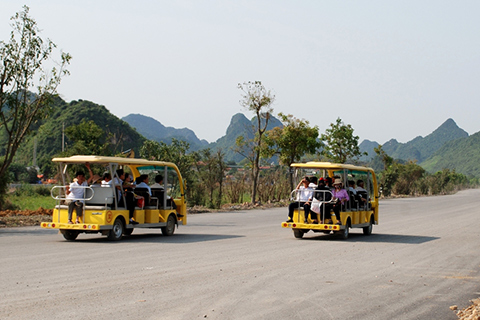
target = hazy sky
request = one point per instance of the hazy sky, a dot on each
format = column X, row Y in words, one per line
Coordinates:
column 391, row 69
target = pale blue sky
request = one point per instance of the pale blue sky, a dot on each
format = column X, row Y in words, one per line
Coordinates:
column 391, row 69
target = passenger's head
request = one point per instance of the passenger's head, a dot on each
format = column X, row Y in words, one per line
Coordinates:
column 107, row 176
column 96, row 178
column 142, row 178
column 321, row 181
column 328, row 181
column 121, row 174
column 313, row 180
column 306, row 181
column 80, row 175
column 338, row 183
column 351, row 183
column 158, row 178
column 360, row 183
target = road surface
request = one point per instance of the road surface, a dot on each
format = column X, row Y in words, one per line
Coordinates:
column 422, row 258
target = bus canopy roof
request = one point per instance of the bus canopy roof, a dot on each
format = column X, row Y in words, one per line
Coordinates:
column 330, row 166
column 119, row 160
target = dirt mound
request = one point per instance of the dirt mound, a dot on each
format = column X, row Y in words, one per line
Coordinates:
column 470, row 313
column 26, row 213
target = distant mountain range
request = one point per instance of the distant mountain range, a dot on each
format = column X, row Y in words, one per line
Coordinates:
column 154, row 130
column 447, row 147
column 420, row 148
column 443, row 148
column 239, row 125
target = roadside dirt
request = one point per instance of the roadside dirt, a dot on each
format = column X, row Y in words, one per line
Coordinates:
column 469, row 313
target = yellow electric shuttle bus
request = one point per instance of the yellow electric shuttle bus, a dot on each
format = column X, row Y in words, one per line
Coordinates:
column 360, row 211
column 107, row 207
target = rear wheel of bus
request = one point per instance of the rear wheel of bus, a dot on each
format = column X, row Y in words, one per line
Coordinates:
column 69, row 235
column 169, row 229
column 345, row 232
column 368, row 229
column 298, row 233
column 117, row 230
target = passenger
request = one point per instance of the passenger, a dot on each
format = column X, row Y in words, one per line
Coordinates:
column 142, row 182
column 360, row 186
column 158, row 182
column 340, row 196
column 96, row 181
column 76, row 194
column 328, row 183
column 118, row 183
column 313, row 182
column 322, row 193
column 158, row 185
column 362, row 192
column 351, row 187
column 312, row 185
column 355, row 198
column 129, row 183
column 107, row 180
column 304, row 193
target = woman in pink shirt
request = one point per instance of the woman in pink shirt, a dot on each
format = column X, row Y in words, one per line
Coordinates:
column 340, row 195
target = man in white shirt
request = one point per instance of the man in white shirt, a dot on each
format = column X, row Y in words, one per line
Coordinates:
column 76, row 194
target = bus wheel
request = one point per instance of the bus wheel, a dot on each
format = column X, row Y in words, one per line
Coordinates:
column 346, row 232
column 368, row 229
column 117, row 230
column 69, row 235
column 298, row 233
column 170, row 228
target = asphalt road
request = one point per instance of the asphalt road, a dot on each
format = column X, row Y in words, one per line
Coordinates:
column 421, row 259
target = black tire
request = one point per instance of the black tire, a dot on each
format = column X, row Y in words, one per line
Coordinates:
column 70, row 235
column 298, row 233
column 117, row 231
column 169, row 229
column 345, row 232
column 128, row 232
column 368, row 229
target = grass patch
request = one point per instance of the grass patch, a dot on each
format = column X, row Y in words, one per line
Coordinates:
column 32, row 202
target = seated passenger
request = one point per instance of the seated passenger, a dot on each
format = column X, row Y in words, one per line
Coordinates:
column 340, row 196
column 362, row 192
column 142, row 182
column 96, row 182
column 355, row 199
column 304, row 193
column 322, row 193
column 158, row 190
column 351, row 187
column 107, row 180
column 76, row 194
column 118, row 182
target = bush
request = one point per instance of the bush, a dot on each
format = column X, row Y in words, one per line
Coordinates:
column 28, row 190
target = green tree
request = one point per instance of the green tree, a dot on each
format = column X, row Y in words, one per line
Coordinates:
column 340, row 143
column 292, row 141
column 211, row 172
column 22, row 70
column 259, row 100
column 87, row 137
column 177, row 153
